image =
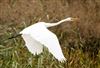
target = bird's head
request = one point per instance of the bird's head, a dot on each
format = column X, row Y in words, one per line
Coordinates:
column 72, row 19
column 75, row 21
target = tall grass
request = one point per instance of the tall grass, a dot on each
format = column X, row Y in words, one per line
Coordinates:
column 80, row 41
column 14, row 54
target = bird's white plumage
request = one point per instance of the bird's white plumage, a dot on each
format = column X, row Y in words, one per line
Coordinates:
column 37, row 35
column 33, row 46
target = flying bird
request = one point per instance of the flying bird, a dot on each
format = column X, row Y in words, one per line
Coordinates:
column 37, row 36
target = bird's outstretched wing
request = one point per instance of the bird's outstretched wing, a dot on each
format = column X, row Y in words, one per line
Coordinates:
column 49, row 40
column 33, row 46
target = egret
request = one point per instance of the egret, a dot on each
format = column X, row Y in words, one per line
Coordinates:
column 37, row 36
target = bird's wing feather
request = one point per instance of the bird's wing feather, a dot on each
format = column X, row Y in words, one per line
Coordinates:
column 33, row 46
column 49, row 39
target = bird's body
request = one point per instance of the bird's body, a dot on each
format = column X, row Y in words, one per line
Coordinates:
column 37, row 35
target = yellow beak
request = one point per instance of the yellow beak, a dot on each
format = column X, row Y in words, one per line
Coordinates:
column 75, row 19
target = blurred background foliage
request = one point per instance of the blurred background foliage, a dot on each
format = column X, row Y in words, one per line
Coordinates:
column 80, row 41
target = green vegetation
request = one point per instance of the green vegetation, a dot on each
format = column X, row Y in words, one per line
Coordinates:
column 80, row 41
column 13, row 54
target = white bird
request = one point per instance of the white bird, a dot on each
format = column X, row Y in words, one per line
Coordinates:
column 37, row 35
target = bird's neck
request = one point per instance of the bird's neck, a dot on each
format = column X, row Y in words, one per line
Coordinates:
column 55, row 24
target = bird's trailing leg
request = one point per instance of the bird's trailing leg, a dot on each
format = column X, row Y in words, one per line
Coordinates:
column 14, row 36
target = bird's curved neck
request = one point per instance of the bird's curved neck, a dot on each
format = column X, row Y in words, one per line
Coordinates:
column 55, row 24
